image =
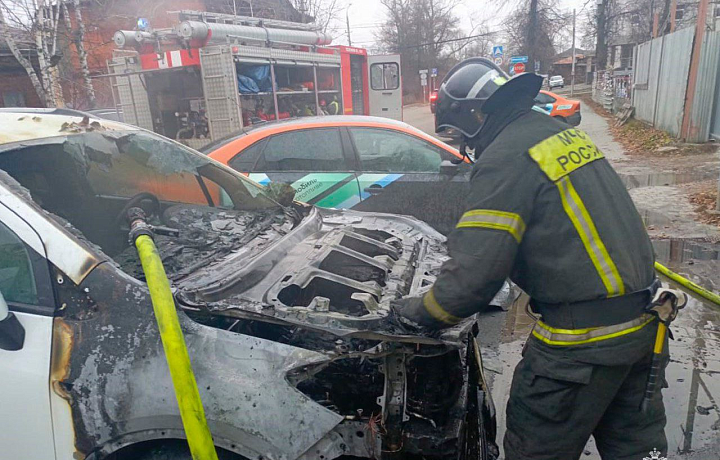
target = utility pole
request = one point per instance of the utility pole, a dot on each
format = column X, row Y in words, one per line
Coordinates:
column 687, row 128
column 347, row 22
column 656, row 22
column 572, row 71
column 673, row 11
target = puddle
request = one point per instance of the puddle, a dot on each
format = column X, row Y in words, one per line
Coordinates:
column 654, row 218
column 693, row 375
column 675, row 250
column 699, row 259
column 632, row 181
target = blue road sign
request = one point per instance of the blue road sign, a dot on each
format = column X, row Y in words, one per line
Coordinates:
column 517, row 59
column 497, row 51
column 433, row 72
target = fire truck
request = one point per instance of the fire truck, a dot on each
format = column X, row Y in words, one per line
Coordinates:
column 213, row 74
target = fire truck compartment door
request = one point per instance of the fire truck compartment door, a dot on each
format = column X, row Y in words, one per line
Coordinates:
column 385, row 86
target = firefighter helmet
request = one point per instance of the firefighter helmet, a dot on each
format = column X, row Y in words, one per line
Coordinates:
column 474, row 88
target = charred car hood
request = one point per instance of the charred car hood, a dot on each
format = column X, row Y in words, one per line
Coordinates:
column 337, row 271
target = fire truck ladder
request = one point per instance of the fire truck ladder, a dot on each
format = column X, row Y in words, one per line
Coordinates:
column 220, row 18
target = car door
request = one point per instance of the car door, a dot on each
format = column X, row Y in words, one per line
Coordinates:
column 401, row 173
column 313, row 161
column 385, row 97
column 26, row 429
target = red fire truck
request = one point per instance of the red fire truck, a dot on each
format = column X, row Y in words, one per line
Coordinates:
column 213, row 74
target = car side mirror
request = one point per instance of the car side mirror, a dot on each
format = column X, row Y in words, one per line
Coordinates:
column 12, row 333
column 448, row 168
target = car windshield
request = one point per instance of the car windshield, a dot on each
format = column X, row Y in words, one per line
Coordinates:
column 90, row 179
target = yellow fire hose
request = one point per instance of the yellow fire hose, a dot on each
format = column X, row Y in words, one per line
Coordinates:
column 191, row 410
column 687, row 284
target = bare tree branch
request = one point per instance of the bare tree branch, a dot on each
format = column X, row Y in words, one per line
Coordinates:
column 6, row 34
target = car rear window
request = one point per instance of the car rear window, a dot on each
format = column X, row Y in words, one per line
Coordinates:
column 211, row 147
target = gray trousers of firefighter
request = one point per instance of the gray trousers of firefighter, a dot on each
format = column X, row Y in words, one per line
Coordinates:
column 562, row 395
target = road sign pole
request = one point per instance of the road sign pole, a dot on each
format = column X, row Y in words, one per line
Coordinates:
column 572, row 71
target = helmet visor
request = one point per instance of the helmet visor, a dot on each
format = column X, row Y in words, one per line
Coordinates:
column 465, row 116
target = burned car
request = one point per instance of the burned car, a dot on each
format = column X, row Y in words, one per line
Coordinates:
column 284, row 310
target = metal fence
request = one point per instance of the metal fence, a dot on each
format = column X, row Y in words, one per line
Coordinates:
column 661, row 79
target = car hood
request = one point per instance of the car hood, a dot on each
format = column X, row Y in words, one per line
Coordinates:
column 337, row 271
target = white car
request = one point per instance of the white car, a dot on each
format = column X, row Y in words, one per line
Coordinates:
column 284, row 307
column 556, row 81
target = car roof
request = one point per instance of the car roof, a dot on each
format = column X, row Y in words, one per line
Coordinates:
column 290, row 124
column 223, row 149
column 557, row 96
column 327, row 119
column 23, row 124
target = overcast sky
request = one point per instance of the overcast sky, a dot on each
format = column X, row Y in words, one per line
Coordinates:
column 367, row 15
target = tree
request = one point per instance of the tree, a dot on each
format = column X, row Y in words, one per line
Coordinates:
column 78, row 38
column 39, row 20
column 321, row 12
column 601, row 35
column 420, row 30
column 6, row 32
column 624, row 21
column 537, row 28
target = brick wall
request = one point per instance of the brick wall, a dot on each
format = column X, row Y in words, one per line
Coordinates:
column 14, row 82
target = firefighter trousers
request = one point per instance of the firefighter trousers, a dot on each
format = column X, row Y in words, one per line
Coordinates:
column 559, row 399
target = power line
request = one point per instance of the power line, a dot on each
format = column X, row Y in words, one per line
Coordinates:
column 469, row 37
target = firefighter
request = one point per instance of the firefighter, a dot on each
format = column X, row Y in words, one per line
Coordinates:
column 333, row 107
column 546, row 209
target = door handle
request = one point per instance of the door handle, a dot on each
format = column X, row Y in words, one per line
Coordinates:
column 387, row 94
column 374, row 189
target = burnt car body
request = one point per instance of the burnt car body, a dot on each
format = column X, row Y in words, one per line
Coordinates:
column 284, row 310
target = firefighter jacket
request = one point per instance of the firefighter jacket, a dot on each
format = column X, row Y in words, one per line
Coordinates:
column 333, row 108
column 546, row 209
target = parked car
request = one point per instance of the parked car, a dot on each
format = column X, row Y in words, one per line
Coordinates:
column 567, row 110
column 363, row 163
column 111, row 113
column 556, row 81
column 284, row 308
column 433, row 100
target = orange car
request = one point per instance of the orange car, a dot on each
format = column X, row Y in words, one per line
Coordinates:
column 567, row 110
column 364, row 163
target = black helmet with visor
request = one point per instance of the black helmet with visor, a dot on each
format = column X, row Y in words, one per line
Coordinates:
column 474, row 88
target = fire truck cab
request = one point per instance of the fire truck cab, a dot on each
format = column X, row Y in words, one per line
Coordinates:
column 213, row 74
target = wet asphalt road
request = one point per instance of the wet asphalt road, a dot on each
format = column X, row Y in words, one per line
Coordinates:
column 692, row 399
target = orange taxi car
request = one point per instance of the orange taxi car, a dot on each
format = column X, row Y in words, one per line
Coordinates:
column 567, row 110
column 363, row 163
